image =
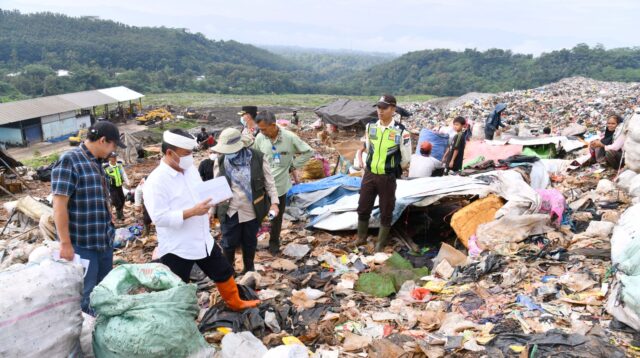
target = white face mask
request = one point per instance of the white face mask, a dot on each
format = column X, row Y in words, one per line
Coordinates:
column 185, row 162
column 213, row 156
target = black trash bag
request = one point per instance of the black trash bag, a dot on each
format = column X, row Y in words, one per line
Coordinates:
column 247, row 320
column 309, row 276
column 489, row 262
column 44, row 173
column 555, row 343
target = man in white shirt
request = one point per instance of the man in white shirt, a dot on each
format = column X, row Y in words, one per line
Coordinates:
column 182, row 218
column 422, row 163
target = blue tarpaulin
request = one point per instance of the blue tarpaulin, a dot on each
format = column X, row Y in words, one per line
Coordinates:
column 438, row 141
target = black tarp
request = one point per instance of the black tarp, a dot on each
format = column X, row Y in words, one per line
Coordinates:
column 346, row 113
column 7, row 159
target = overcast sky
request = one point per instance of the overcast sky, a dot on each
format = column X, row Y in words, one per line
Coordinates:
column 396, row 26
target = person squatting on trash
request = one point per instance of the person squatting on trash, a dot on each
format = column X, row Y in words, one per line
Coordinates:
column 609, row 147
column 116, row 176
column 81, row 205
column 284, row 150
column 254, row 195
column 388, row 152
column 182, row 218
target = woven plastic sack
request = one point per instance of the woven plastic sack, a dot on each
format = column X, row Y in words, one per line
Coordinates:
column 40, row 312
column 625, row 242
column 145, row 311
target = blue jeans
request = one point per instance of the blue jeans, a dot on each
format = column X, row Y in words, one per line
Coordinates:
column 101, row 262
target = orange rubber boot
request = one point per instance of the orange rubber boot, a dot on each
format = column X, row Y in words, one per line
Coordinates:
column 229, row 292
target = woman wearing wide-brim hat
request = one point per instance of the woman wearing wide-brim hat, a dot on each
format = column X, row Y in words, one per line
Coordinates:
column 254, row 195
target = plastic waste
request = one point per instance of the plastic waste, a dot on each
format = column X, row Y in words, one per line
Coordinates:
column 296, row 251
column 244, row 343
column 46, row 320
column 145, row 311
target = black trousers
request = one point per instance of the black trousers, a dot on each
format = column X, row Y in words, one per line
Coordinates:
column 235, row 233
column 215, row 266
column 117, row 197
column 276, row 223
column 489, row 134
column 374, row 185
column 146, row 219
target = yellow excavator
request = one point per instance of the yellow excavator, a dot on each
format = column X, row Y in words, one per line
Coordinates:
column 154, row 116
column 77, row 138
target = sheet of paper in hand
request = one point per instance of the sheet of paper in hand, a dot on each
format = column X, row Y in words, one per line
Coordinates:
column 217, row 189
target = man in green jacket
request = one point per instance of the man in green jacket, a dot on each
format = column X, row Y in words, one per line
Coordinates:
column 283, row 150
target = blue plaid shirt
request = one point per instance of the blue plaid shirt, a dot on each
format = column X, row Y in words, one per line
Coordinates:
column 79, row 175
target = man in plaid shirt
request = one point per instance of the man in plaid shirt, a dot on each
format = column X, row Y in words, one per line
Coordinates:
column 81, row 208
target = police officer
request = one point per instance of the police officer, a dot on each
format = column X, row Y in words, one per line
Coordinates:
column 117, row 176
column 388, row 146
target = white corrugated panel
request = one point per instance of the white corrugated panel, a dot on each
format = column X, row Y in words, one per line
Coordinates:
column 121, row 94
column 65, row 115
column 58, row 129
column 11, row 135
column 83, row 122
column 50, row 119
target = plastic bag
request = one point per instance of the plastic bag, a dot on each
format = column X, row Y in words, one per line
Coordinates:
column 40, row 312
column 145, row 311
column 616, row 304
column 625, row 179
column 625, row 242
column 375, row 284
column 389, row 278
column 243, row 344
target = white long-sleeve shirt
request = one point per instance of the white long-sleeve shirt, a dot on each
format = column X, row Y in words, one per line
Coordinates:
column 167, row 193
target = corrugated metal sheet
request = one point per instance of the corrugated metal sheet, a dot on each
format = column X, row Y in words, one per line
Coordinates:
column 38, row 107
column 88, row 99
column 121, row 94
column 32, row 108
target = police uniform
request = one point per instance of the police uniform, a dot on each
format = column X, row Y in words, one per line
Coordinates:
column 388, row 151
column 116, row 176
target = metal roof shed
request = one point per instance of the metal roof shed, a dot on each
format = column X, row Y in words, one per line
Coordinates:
column 121, row 94
column 34, row 108
column 87, row 99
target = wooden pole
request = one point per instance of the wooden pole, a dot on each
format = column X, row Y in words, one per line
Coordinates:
column 16, row 173
column 8, row 192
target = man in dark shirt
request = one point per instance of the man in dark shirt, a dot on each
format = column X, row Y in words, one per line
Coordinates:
column 202, row 138
column 81, row 205
column 455, row 152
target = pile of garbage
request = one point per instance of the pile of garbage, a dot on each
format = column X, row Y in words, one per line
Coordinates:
column 571, row 100
column 527, row 256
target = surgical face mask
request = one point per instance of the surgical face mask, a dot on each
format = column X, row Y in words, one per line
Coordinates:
column 244, row 123
column 185, row 162
column 213, row 156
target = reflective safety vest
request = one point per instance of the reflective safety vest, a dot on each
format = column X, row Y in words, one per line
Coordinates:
column 384, row 149
column 114, row 174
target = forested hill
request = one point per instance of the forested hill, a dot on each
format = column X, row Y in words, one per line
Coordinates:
column 100, row 53
column 451, row 73
column 45, row 54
